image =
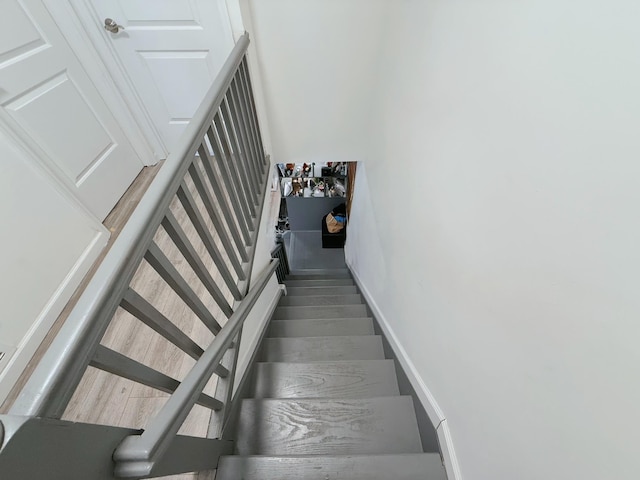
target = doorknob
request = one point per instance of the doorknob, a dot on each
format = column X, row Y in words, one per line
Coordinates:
column 112, row 26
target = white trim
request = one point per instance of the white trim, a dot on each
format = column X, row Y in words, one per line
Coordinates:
column 6, row 353
column 48, row 170
column 36, row 334
column 234, row 12
column 449, row 458
column 425, row 396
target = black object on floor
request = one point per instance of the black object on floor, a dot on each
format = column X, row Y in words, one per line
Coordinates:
column 334, row 240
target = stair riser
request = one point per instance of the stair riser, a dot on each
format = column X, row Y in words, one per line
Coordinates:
column 319, row 283
column 321, row 300
column 349, row 379
column 328, row 427
column 331, row 276
column 344, row 290
column 293, row 313
column 318, row 349
column 420, row 466
column 320, row 327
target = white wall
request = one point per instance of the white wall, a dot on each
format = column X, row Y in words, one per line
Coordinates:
column 315, row 59
column 496, row 225
column 48, row 243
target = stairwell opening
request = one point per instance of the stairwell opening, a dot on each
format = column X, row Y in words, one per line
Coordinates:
column 310, row 191
column 300, row 229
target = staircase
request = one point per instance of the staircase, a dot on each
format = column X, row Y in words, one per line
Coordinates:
column 325, row 402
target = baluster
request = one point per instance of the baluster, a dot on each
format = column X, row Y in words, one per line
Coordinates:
column 137, row 306
column 233, row 223
column 237, row 90
column 245, row 71
column 114, row 362
column 222, row 129
column 215, row 217
column 172, row 227
column 241, row 115
column 229, row 109
column 189, row 204
column 168, row 272
column 221, row 153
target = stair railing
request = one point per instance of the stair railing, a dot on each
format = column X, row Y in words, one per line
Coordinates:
column 219, row 168
column 281, row 254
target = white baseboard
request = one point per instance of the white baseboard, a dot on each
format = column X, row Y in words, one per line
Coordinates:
column 23, row 353
column 422, row 391
column 448, row 453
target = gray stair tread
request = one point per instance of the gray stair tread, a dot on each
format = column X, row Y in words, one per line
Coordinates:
column 321, row 300
column 319, row 276
column 328, row 311
column 319, row 283
column 327, row 426
column 409, row 466
column 343, row 290
column 313, row 349
column 322, row 327
column 318, row 271
column 345, row 379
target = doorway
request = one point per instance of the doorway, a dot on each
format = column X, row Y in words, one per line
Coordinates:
column 163, row 54
column 311, row 191
column 51, row 106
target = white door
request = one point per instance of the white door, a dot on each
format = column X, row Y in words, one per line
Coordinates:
column 50, row 104
column 171, row 51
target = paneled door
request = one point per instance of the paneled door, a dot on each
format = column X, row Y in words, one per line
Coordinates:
column 50, row 104
column 171, row 51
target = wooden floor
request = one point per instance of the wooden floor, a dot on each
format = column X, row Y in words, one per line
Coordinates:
column 104, row 398
column 114, row 222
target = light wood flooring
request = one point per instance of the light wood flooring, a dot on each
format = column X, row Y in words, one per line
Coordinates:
column 114, row 222
column 104, row 398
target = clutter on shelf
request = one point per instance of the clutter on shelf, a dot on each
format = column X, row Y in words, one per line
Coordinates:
column 310, row 180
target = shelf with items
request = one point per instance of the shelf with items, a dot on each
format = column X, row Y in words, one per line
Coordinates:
column 310, row 187
column 313, row 180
